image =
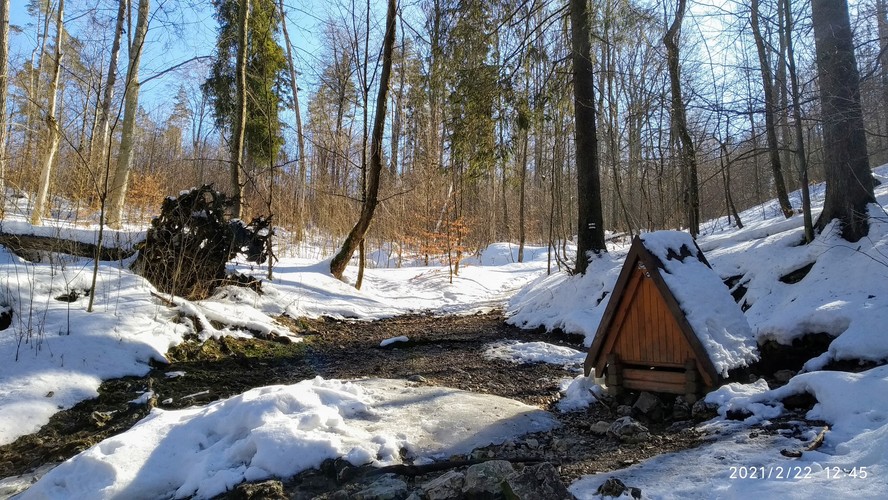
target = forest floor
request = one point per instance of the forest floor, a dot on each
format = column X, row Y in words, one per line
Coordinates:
column 441, row 351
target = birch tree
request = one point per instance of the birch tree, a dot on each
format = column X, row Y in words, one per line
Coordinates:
column 300, row 137
column 53, row 133
column 131, row 106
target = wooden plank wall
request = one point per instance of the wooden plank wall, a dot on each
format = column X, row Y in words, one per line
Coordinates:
column 647, row 333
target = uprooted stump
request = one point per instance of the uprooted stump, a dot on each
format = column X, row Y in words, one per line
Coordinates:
column 192, row 239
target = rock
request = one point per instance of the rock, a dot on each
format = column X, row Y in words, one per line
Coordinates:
column 738, row 414
column 624, row 410
column 681, row 410
column 783, row 376
column 416, row 378
column 613, row 487
column 273, row 490
column 448, row 486
column 625, row 428
column 484, row 480
column 703, row 410
column 600, row 427
column 679, row 425
column 387, row 487
column 532, row 443
column 648, row 405
column 536, row 482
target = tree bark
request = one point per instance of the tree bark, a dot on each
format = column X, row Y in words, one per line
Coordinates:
column 849, row 181
column 795, row 91
column 882, row 24
column 131, row 105
column 53, row 136
column 300, row 137
column 240, row 118
column 687, row 153
column 99, row 156
column 356, row 235
column 590, row 220
column 4, row 92
column 770, row 121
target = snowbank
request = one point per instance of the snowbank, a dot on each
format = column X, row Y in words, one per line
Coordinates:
column 55, row 354
column 281, row 430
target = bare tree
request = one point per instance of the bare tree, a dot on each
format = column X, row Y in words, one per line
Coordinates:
column 4, row 92
column 53, row 132
column 849, row 181
column 796, row 92
column 770, row 121
column 686, row 151
column 356, row 235
column 131, row 105
column 99, row 155
column 300, row 137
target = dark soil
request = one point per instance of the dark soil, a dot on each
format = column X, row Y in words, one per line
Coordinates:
column 442, row 351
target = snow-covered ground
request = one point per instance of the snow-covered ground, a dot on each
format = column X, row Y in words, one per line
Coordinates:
column 64, row 352
column 276, row 430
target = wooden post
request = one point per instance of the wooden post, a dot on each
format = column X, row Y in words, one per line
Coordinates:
column 692, row 385
column 614, row 375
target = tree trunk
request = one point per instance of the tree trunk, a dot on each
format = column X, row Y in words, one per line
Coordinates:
column 882, row 24
column 590, row 223
column 240, row 114
column 801, row 157
column 300, row 137
column 356, row 235
column 726, row 180
column 53, row 136
column 131, row 105
column 99, row 156
column 4, row 92
column 522, row 193
column 849, row 181
column 687, row 154
column 770, row 121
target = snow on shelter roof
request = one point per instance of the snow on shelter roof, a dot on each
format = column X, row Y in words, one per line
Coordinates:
column 705, row 300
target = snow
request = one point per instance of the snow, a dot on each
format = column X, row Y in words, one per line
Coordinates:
column 536, row 352
column 394, row 340
column 574, row 304
column 706, row 302
column 55, row 354
column 579, row 393
column 277, row 431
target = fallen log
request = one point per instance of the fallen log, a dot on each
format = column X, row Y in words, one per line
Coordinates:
column 31, row 247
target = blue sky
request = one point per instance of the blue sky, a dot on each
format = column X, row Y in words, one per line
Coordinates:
column 192, row 34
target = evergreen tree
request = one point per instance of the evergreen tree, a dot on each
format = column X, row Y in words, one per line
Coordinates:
column 266, row 64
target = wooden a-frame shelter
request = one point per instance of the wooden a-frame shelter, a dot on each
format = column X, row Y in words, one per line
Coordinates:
column 645, row 341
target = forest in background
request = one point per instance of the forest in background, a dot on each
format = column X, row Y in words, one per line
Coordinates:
column 479, row 142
